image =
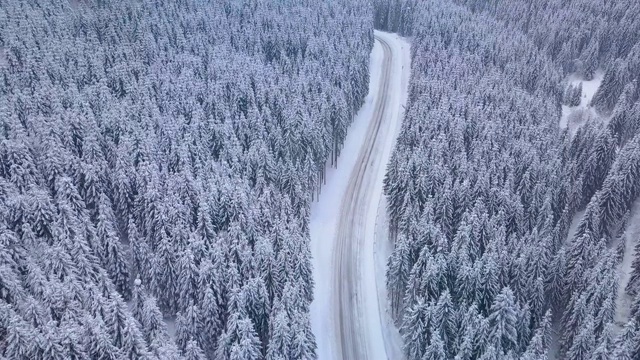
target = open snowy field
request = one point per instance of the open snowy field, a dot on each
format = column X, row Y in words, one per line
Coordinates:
column 574, row 116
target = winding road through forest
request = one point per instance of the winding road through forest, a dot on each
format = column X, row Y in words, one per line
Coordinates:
column 347, row 295
column 349, row 310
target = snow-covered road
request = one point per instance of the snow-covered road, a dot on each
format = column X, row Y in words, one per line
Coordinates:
column 348, row 313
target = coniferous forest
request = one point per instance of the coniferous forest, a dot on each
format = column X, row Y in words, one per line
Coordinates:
column 158, row 162
column 510, row 233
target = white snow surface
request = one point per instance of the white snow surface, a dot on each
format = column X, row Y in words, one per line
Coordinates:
column 382, row 339
column 574, row 116
column 378, row 229
column 589, row 87
column 171, row 326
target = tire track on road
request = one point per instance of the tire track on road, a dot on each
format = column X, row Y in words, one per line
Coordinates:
column 346, row 297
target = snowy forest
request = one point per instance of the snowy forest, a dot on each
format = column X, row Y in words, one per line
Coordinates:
column 515, row 235
column 157, row 162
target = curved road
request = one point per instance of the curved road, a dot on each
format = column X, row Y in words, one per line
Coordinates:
column 347, row 290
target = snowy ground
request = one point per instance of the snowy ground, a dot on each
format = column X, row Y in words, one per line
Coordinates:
column 345, row 313
column 381, row 243
column 171, row 326
column 324, row 213
column 574, row 116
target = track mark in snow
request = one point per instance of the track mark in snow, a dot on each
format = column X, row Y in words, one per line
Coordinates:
column 348, row 308
column 347, row 258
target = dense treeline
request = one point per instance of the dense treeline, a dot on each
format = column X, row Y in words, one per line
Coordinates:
column 580, row 36
column 483, row 187
column 157, row 160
